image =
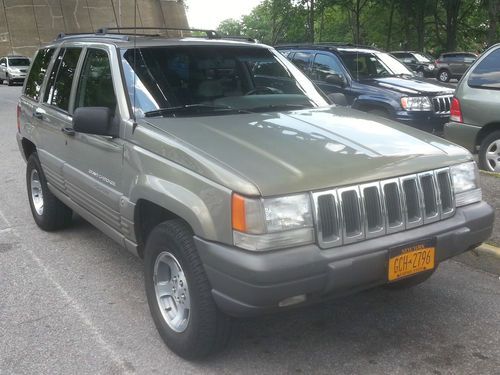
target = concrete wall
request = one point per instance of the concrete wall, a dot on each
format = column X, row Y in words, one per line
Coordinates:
column 26, row 24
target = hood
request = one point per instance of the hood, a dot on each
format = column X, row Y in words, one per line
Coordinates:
column 408, row 86
column 306, row 150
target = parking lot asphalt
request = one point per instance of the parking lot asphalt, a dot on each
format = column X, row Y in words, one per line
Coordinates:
column 73, row 302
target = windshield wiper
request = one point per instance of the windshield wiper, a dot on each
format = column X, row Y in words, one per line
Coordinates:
column 189, row 109
column 274, row 107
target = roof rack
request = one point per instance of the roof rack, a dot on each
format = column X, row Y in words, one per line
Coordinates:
column 239, row 37
column 211, row 34
column 91, row 35
column 327, row 45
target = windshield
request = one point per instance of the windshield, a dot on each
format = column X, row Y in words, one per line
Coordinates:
column 208, row 80
column 421, row 58
column 365, row 65
column 19, row 62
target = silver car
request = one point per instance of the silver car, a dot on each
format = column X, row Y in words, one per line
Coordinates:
column 14, row 69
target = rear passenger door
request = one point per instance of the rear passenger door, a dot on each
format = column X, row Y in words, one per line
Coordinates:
column 52, row 115
column 93, row 168
column 303, row 61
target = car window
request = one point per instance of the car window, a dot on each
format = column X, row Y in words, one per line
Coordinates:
column 302, row 60
column 2, row 61
column 486, row 74
column 421, row 58
column 325, row 66
column 95, row 88
column 19, row 62
column 38, row 72
column 364, row 65
column 61, row 78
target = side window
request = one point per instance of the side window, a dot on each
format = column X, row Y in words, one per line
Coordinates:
column 95, row 88
column 302, row 60
column 37, row 73
column 61, row 78
column 2, row 61
column 327, row 68
column 486, row 74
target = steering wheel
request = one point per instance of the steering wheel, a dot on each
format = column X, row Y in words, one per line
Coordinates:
column 263, row 90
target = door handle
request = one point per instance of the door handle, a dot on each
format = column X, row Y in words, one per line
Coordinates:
column 39, row 113
column 68, row 131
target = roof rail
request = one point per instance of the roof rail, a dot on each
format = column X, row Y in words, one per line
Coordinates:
column 239, row 37
column 91, row 35
column 211, row 34
column 332, row 45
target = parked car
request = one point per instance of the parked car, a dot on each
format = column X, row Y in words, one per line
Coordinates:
column 244, row 193
column 13, row 69
column 374, row 82
column 420, row 63
column 475, row 110
column 453, row 65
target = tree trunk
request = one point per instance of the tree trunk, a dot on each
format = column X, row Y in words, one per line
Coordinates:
column 311, row 21
column 493, row 15
column 389, row 31
column 452, row 12
column 420, row 25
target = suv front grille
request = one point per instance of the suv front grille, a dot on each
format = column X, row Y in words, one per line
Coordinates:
column 442, row 104
column 360, row 212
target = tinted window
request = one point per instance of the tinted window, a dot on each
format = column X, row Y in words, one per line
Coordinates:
column 19, row 62
column 486, row 74
column 95, row 88
column 302, row 60
column 37, row 73
column 325, row 66
column 60, row 90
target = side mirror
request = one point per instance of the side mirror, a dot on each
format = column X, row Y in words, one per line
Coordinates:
column 335, row 79
column 338, row 99
column 95, row 120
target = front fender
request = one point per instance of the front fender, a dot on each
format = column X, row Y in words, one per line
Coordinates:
column 364, row 102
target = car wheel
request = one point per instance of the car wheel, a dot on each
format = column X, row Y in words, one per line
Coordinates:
column 420, row 74
column 444, row 75
column 48, row 212
column 410, row 282
column 179, row 293
column 489, row 153
column 9, row 81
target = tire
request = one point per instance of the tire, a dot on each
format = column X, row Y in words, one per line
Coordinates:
column 420, row 74
column 204, row 330
column 491, row 144
column 410, row 282
column 53, row 214
column 9, row 81
column 444, row 75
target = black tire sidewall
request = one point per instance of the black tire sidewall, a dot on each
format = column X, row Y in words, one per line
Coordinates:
column 444, row 71
column 483, row 164
column 203, row 309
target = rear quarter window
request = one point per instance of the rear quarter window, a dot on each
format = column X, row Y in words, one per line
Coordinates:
column 37, row 73
column 486, row 74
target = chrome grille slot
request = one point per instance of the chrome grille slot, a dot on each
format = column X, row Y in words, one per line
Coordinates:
column 442, row 104
column 445, row 192
column 430, row 198
column 359, row 212
column 412, row 200
column 351, row 211
column 393, row 205
column 328, row 217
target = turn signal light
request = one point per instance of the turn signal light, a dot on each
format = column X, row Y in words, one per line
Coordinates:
column 239, row 214
column 455, row 111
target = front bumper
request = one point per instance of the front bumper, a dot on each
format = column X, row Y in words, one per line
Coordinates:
column 423, row 120
column 246, row 283
column 462, row 134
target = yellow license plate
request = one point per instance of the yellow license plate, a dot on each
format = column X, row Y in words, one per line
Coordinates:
column 411, row 259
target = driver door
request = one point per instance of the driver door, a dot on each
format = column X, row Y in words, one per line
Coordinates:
column 328, row 74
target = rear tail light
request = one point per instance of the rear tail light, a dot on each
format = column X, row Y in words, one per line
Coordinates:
column 455, row 111
column 19, row 118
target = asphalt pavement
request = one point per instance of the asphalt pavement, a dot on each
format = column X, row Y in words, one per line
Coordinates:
column 73, row 302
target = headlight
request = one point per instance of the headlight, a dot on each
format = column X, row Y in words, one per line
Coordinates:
column 431, row 67
column 466, row 183
column 270, row 223
column 416, row 103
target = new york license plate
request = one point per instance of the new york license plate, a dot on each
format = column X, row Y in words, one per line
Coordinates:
column 408, row 260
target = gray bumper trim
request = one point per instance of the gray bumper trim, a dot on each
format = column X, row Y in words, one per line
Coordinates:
column 246, row 283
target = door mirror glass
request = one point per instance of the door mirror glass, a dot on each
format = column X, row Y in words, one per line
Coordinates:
column 94, row 120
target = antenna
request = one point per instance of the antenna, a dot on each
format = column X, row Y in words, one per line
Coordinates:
column 134, row 125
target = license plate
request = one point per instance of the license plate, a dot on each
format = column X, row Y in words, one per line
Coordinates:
column 411, row 259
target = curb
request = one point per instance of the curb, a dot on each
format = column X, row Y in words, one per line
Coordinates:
column 486, row 249
column 492, row 174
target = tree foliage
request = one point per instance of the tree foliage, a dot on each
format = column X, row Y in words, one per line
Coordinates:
column 426, row 25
